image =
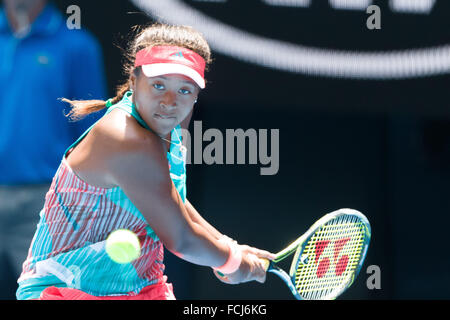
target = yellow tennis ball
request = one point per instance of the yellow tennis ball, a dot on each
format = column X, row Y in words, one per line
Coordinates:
column 123, row 246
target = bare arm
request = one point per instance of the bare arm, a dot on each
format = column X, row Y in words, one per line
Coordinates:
column 197, row 218
column 193, row 213
column 140, row 169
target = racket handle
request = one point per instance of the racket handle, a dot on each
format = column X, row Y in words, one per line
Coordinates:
column 266, row 263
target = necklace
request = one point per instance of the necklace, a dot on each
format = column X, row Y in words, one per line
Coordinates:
column 182, row 148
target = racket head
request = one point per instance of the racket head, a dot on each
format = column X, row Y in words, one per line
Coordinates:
column 330, row 255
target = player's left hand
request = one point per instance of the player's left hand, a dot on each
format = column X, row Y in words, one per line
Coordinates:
column 264, row 254
column 250, row 252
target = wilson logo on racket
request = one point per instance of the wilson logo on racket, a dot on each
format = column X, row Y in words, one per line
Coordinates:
column 324, row 264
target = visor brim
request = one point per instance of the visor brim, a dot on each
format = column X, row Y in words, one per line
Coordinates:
column 158, row 69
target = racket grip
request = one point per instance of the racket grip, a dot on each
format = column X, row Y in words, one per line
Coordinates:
column 266, row 263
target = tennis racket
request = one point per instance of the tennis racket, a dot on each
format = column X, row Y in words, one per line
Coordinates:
column 328, row 257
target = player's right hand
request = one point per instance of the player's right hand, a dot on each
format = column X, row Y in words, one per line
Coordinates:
column 251, row 268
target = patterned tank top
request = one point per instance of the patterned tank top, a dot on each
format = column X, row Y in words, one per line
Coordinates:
column 68, row 247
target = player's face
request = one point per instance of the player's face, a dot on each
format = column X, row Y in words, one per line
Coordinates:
column 164, row 101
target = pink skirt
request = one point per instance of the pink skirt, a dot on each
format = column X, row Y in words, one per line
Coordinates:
column 158, row 291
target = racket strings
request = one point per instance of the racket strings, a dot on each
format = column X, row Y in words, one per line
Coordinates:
column 333, row 252
column 325, row 277
column 320, row 279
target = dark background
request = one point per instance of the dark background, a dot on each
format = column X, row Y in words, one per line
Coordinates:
column 378, row 146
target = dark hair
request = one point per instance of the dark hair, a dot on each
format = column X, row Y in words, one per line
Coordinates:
column 145, row 37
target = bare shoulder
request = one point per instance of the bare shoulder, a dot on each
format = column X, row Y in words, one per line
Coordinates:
column 120, row 135
column 126, row 146
column 113, row 146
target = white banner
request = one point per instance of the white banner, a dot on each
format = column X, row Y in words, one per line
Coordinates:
column 290, row 57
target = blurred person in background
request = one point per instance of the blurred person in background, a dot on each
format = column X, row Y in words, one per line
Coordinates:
column 41, row 60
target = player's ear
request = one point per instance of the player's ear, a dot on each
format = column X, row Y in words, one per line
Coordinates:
column 132, row 82
column 133, row 79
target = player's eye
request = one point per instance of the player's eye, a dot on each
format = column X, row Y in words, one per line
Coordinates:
column 185, row 91
column 158, row 86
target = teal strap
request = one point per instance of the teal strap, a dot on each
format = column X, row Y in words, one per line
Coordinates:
column 109, row 103
column 126, row 105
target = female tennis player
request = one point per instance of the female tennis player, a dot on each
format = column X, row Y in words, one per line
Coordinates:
column 127, row 171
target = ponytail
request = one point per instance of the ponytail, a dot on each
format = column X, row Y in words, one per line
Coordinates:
column 82, row 108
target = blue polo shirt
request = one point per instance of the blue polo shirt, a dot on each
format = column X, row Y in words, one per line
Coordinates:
column 49, row 63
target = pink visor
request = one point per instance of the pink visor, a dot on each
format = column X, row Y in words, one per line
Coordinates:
column 159, row 60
